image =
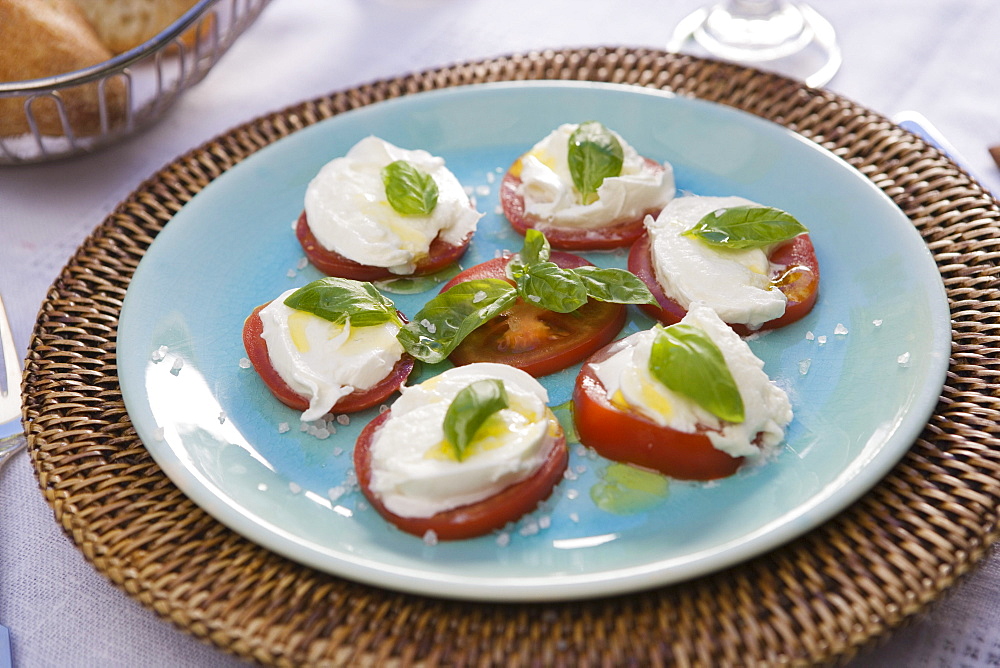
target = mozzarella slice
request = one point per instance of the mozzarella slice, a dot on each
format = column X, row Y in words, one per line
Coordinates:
column 348, row 212
column 735, row 283
column 410, row 473
column 323, row 361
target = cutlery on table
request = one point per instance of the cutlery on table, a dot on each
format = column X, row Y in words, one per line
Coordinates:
column 11, row 438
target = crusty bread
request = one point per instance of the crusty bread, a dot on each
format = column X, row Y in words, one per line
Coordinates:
column 125, row 24
column 41, row 38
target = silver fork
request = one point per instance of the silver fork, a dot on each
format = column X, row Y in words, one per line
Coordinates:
column 11, row 438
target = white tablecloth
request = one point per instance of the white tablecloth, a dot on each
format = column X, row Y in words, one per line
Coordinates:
column 939, row 57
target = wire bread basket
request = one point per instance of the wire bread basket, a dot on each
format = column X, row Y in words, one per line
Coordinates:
column 82, row 111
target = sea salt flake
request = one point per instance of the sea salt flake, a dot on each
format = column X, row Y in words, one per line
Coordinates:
column 479, row 296
column 498, row 210
column 302, row 263
column 534, row 298
column 430, row 538
column 544, row 522
column 491, row 177
column 283, row 427
column 877, row 322
column 572, row 494
column 568, row 474
column 159, row 354
column 178, row 365
column 482, row 191
column 222, row 417
column 904, row 359
column 245, row 363
column 294, row 487
column 575, row 517
column 503, row 539
column 821, row 340
column 804, row 366
column 262, row 487
column 840, row 330
column 343, row 420
column 810, row 336
column 335, row 492
column 291, row 273
column 530, row 528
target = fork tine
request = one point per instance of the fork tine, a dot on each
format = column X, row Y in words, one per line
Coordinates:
column 13, row 372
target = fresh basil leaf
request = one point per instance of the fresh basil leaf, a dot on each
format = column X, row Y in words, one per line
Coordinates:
column 340, row 299
column 536, row 247
column 470, row 408
column 614, row 285
column 551, row 287
column 410, row 190
column 742, row 227
column 444, row 321
column 686, row 360
column 594, row 155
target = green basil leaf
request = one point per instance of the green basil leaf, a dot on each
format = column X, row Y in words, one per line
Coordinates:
column 444, row 321
column 741, row 227
column 340, row 299
column 614, row 285
column 551, row 287
column 686, row 360
column 470, row 408
column 594, row 155
column 536, row 247
column 410, row 190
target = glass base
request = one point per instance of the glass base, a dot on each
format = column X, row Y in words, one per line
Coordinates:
column 787, row 38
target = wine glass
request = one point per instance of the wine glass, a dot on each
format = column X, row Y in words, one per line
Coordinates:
column 789, row 38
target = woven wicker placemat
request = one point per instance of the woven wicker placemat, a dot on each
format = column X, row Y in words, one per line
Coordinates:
column 818, row 599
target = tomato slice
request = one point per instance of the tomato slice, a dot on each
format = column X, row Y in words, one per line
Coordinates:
column 616, row 234
column 358, row 400
column 474, row 519
column 630, row 437
column 799, row 280
column 534, row 339
column 332, row 263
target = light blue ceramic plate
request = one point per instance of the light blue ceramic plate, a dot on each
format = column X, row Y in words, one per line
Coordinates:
column 864, row 369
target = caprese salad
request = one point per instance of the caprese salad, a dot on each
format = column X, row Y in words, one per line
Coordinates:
column 381, row 212
column 463, row 453
column 754, row 265
column 585, row 187
column 690, row 400
column 330, row 345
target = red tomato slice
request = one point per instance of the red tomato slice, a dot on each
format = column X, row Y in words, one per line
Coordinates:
column 799, row 280
column 616, row 234
column 531, row 338
column 332, row 263
column 358, row 400
column 630, row 437
column 475, row 519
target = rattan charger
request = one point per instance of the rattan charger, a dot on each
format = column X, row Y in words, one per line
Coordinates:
column 819, row 599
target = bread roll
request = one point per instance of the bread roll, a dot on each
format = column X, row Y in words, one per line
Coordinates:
column 42, row 38
column 125, row 24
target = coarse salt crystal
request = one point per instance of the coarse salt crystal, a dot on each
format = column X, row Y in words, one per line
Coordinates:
column 821, row 340
column 262, row 487
column 804, row 366
column 338, row 452
column 479, row 296
column 283, row 427
column 159, row 354
column 544, row 522
column 245, row 363
column 343, row 420
column 503, row 539
column 291, row 273
column 491, row 177
column 530, row 528
column 574, row 517
column 810, row 336
column 877, row 322
column 294, row 487
column 178, row 364
column 335, row 492
column 302, row 263
column 840, row 330
column 482, row 191
column 534, row 298
column 572, row 494
column 222, row 417
column 904, row 359
column 430, row 538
